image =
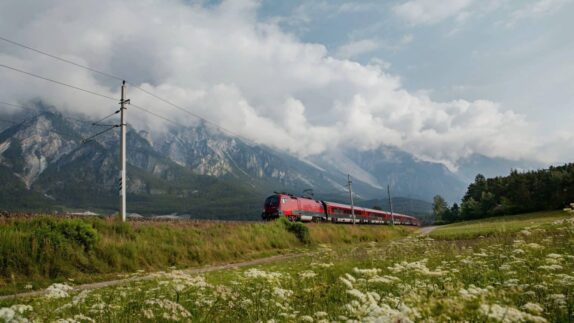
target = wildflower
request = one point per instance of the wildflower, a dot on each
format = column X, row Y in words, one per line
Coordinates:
column 282, row 293
column 533, row 308
column 387, row 279
column 307, row 274
column 367, row 272
column 472, row 292
column 558, row 299
column 256, row 273
column 306, row 318
column 347, row 282
column 7, row 314
column 508, row 314
column 525, row 232
column 58, row 290
column 534, row 246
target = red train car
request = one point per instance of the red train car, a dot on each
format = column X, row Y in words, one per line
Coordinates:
column 305, row 209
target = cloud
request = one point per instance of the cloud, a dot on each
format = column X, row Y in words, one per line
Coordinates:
column 428, row 12
column 221, row 62
column 535, row 9
column 357, row 48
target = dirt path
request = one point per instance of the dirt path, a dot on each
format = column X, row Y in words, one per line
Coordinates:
column 426, row 230
column 190, row 271
column 422, row 231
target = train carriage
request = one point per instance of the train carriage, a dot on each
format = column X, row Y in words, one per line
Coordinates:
column 299, row 208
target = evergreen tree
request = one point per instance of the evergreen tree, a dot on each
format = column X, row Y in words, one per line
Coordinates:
column 439, row 207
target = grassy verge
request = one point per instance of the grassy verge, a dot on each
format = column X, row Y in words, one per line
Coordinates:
column 37, row 251
column 496, row 225
column 524, row 276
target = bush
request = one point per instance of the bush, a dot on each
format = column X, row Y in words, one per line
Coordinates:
column 56, row 233
column 298, row 229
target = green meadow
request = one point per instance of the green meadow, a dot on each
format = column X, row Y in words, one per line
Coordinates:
column 522, row 274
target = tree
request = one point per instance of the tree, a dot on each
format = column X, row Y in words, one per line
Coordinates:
column 469, row 209
column 439, row 207
column 453, row 214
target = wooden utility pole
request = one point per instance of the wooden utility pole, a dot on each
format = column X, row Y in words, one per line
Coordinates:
column 351, row 197
column 390, row 203
column 123, row 184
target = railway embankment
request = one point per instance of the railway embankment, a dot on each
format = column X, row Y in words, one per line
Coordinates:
column 36, row 251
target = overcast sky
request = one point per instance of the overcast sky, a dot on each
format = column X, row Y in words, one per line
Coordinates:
column 441, row 79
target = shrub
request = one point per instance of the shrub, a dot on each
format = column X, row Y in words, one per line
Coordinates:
column 56, row 233
column 298, row 229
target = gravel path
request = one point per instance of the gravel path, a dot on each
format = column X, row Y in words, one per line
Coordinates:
column 427, row 230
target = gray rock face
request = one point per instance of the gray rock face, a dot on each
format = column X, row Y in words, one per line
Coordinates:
column 47, row 155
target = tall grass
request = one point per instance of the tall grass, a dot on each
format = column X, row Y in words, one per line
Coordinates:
column 43, row 249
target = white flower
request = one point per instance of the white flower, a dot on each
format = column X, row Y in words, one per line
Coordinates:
column 7, row 314
column 534, row 246
column 533, row 308
column 307, row 274
column 508, row 314
column 367, row 272
column 282, row 293
column 256, row 273
column 58, row 290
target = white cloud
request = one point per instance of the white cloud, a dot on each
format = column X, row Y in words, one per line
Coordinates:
column 357, row 48
column 428, row 12
column 250, row 77
column 535, row 9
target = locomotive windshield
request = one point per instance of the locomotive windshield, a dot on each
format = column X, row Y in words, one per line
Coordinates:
column 272, row 201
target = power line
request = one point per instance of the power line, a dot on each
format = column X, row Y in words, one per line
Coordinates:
column 60, row 59
column 99, row 133
column 131, row 83
column 191, row 113
column 57, row 82
column 13, row 105
column 55, row 131
column 97, row 123
column 155, row 114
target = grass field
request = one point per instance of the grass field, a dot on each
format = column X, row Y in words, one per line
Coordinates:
column 496, row 226
column 524, row 275
column 38, row 251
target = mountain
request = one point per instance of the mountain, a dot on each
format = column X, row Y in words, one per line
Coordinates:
column 198, row 171
column 407, row 176
column 475, row 164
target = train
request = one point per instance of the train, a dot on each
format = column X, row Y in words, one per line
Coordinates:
column 307, row 209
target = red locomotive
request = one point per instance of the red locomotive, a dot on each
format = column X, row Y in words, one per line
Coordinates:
column 299, row 208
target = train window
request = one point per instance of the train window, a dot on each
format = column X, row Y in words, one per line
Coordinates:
column 272, row 201
column 284, row 200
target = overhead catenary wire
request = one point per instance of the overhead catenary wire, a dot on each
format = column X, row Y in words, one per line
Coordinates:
column 110, row 75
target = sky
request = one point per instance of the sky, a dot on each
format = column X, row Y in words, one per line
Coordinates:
column 440, row 79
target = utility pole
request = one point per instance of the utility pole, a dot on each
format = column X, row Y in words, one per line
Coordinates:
column 390, row 203
column 123, row 178
column 351, row 197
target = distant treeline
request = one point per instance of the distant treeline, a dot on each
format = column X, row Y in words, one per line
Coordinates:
column 519, row 192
